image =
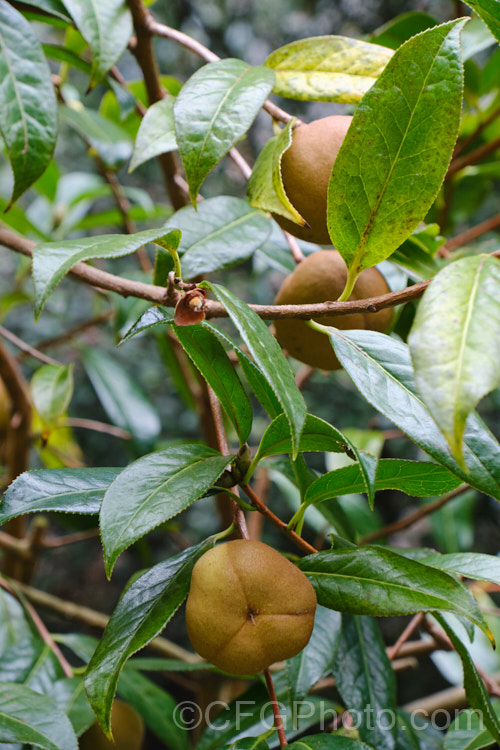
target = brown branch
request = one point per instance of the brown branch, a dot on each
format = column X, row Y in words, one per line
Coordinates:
column 278, row 721
column 394, row 650
column 63, row 541
column 26, row 348
column 472, row 233
column 404, row 523
column 63, row 338
column 281, row 525
column 92, row 424
column 461, row 145
column 473, row 157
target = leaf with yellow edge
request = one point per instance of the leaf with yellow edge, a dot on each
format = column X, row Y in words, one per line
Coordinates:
column 327, row 68
column 265, row 187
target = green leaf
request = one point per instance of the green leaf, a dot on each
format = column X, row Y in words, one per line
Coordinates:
column 213, row 110
column 381, row 369
column 203, row 346
column 489, row 11
column 28, row 717
column 327, row 68
column 467, row 731
column 365, row 680
column 265, row 186
column 475, row 565
column 157, row 708
column 66, row 490
column 417, row 478
column 455, row 343
column 317, row 435
column 28, row 108
column 376, row 581
column 268, row 356
column 53, row 260
column 141, row 614
column 154, row 316
column 51, row 390
column 124, row 402
column 30, row 662
column 250, row 743
column 328, row 742
column 53, row 7
column 70, row 696
column 397, row 150
column 476, row 692
column 315, row 661
column 259, row 385
column 65, row 55
column 107, row 27
column 156, row 133
column 153, row 489
column 112, row 142
column 222, row 232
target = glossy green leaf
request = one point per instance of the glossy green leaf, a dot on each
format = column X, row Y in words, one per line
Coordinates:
column 270, row 359
column 157, row 708
column 153, row 489
column 259, row 385
column 53, row 260
column 376, row 581
column 53, row 7
column 156, row 133
column 476, row 692
column 455, row 343
column 315, row 661
column 203, row 346
column 28, row 717
column 474, row 565
column 417, row 478
column 51, row 390
column 213, row 110
column 328, row 742
column 30, row 662
column 14, row 626
column 366, row 681
column 399, row 29
column 317, row 435
column 397, row 150
column 327, row 68
column 489, row 11
column 154, row 316
column 381, row 369
column 467, row 731
column 265, row 186
column 140, row 615
column 65, row 55
column 222, row 232
column 66, row 490
column 70, row 696
column 110, row 140
column 28, row 109
column 124, row 402
column 107, row 27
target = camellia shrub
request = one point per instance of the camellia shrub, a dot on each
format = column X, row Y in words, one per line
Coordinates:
column 300, row 469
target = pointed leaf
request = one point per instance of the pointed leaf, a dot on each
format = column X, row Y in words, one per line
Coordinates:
column 51, row 390
column 455, row 343
column 28, row 107
column 366, row 681
column 140, row 615
column 153, row 489
column 66, row 490
column 317, row 435
column 397, row 150
column 222, row 232
column 268, row 356
column 125, row 403
column 259, row 385
column 156, row 133
column 489, row 11
column 476, row 692
column 213, row 110
column 53, row 260
column 376, row 581
column 327, row 68
column 416, row 478
column 32, row 718
column 154, row 316
column 381, row 369
column 107, row 27
column 204, row 348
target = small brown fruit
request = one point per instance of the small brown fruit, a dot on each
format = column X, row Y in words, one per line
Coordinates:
column 305, row 170
column 248, row 607
column 127, row 728
column 319, row 278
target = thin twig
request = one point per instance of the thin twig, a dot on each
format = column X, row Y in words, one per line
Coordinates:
column 63, row 541
column 472, row 233
column 92, row 424
column 473, row 157
column 63, row 338
column 294, row 246
column 26, row 348
column 461, row 145
column 394, row 650
column 278, row 721
column 404, row 523
column 281, row 525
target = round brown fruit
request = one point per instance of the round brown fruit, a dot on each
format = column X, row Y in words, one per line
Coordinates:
column 248, row 607
column 321, row 277
column 305, row 170
column 127, row 727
